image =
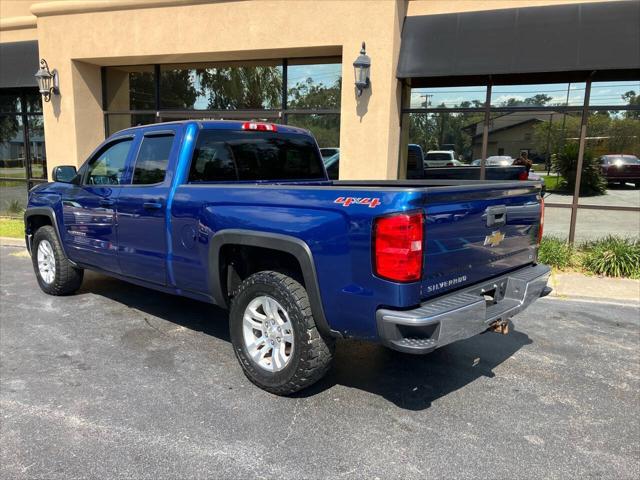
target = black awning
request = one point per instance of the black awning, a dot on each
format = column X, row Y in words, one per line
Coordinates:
column 561, row 38
column 18, row 63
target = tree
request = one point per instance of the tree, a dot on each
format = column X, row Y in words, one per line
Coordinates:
column 251, row 87
column 539, row 99
column 566, row 163
column 632, row 100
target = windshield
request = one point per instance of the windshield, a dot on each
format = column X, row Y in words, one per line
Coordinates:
column 621, row 160
column 227, row 155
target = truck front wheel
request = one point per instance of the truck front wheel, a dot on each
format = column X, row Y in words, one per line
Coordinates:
column 274, row 335
column 55, row 274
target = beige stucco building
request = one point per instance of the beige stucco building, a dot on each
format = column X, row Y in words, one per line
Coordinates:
column 79, row 38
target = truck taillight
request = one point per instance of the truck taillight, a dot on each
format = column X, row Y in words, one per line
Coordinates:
column 541, row 221
column 523, row 175
column 260, row 127
column 397, row 247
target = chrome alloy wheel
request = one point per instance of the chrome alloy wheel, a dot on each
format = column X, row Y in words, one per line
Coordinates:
column 268, row 333
column 46, row 262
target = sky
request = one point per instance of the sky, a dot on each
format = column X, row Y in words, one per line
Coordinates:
column 602, row 93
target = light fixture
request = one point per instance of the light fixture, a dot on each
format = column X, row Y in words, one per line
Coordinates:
column 361, row 70
column 47, row 80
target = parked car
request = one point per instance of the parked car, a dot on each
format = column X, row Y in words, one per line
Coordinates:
column 242, row 215
column 440, row 158
column 621, row 169
column 329, row 152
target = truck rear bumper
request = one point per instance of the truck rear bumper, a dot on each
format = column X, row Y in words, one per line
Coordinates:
column 462, row 314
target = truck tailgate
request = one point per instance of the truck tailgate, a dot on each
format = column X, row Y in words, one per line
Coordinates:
column 475, row 234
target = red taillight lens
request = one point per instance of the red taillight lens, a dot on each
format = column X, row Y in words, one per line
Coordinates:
column 541, row 221
column 397, row 246
column 260, row 127
column 523, row 175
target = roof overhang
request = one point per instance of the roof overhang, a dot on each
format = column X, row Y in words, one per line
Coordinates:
column 18, row 63
column 551, row 43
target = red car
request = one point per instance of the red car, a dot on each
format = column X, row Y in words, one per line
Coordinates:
column 621, row 169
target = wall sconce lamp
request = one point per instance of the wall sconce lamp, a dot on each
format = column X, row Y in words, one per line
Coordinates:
column 361, row 70
column 48, row 82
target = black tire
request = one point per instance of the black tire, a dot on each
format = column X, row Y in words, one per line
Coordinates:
column 67, row 279
column 312, row 353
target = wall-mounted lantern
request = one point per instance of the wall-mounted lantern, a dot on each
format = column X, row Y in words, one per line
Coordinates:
column 47, row 81
column 361, row 70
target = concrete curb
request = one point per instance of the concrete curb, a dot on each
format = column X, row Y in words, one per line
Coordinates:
column 571, row 285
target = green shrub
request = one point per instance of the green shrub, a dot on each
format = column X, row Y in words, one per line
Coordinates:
column 556, row 252
column 566, row 163
column 613, row 257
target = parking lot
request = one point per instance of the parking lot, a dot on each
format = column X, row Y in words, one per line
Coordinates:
column 120, row 381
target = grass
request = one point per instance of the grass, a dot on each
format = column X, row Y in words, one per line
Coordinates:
column 11, row 227
column 610, row 256
column 552, row 182
column 556, row 252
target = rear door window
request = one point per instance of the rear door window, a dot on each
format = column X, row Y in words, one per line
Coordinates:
column 224, row 155
column 153, row 159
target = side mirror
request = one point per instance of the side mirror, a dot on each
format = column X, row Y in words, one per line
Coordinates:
column 64, row 173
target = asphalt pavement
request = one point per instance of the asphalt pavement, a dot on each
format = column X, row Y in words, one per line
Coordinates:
column 123, row 382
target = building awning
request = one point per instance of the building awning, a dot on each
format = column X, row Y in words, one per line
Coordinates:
column 556, row 39
column 18, row 63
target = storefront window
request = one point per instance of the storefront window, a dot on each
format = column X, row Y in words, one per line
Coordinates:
column 130, row 88
column 544, row 122
column 13, row 151
column 221, row 86
column 456, row 131
column 539, row 95
column 448, row 97
column 313, row 85
column 615, row 93
column 611, row 162
column 13, row 198
column 326, row 128
column 37, row 152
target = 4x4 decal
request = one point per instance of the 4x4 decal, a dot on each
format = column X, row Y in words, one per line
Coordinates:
column 347, row 201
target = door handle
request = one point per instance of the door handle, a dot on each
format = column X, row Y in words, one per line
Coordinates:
column 496, row 216
column 106, row 202
column 152, row 205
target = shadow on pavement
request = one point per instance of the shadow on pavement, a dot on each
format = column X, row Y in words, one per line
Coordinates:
column 409, row 381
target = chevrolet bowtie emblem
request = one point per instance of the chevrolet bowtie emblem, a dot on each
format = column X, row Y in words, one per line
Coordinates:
column 494, row 239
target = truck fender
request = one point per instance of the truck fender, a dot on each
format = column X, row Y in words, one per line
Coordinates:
column 274, row 241
column 45, row 212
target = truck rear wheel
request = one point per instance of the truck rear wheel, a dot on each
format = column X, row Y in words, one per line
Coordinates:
column 274, row 335
column 55, row 274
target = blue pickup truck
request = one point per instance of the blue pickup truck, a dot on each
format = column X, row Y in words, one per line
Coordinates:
column 243, row 215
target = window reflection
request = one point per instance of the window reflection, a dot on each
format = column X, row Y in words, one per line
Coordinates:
column 325, row 128
column 615, row 93
column 611, row 164
column 448, row 97
column 539, row 95
column 37, row 151
column 130, row 88
column 221, row 87
column 13, row 151
column 313, row 85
